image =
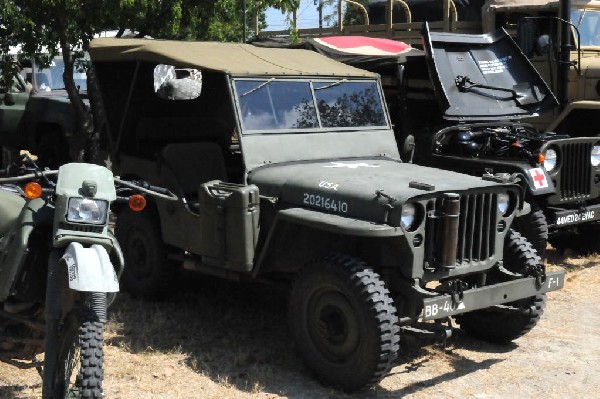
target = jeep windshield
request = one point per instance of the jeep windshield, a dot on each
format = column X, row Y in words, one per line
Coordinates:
column 288, row 106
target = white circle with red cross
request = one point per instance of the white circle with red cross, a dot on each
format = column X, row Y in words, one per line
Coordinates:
column 539, row 178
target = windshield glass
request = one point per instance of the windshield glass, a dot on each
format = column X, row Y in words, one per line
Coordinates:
column 51, row 78
column 276, row 105
column 588, row 23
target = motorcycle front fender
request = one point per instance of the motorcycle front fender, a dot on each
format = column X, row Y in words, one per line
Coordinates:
column 89, row 269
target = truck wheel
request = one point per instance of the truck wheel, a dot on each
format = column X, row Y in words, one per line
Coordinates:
column 534, row 227
column 147, row 273
column 344, row 322
column 498, row 326
column 52, row 150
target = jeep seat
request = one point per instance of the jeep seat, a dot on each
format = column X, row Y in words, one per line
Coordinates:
column 192, row 164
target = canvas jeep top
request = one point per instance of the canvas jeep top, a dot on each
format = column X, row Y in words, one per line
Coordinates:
column 288, row 171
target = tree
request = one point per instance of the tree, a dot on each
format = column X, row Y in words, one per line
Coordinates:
column 51, row 27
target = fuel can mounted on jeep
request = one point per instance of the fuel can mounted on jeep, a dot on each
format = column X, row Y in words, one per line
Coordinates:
column 288, row 171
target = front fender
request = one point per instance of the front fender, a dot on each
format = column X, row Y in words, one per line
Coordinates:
column 89, row 269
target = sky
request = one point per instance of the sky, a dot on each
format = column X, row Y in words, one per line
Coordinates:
column 308, row 16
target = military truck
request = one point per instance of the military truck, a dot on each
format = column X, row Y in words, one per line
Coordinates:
column 562, row 38
column 36, row 113
column 288, row 172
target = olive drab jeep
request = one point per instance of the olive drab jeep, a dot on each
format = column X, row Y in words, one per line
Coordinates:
column 287, row 170
column 463, row 104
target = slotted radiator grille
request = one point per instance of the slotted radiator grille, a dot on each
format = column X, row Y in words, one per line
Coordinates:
column 575, row 171
column 476, row 229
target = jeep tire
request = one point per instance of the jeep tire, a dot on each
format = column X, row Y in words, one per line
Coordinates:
column 499, row 326
column 147, row 273
column 534, row 227
column 344, row 322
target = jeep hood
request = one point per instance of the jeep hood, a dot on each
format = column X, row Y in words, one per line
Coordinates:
column 356, row 182
column 484, row 77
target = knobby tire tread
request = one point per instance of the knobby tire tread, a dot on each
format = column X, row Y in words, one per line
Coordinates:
column 498, row 327
column 372, row 293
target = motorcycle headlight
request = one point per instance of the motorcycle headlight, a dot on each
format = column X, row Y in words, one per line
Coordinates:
column 550, row 159
column 86, row 210
column 503, row 203
column 595, row 158
column 408, row 216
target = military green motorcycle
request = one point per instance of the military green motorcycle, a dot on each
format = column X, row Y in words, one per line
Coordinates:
column 59, row 269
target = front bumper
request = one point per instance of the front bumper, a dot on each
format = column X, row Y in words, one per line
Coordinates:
column 442, row 306
column 566, row 217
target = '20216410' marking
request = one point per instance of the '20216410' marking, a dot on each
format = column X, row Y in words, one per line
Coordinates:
column 325, row 203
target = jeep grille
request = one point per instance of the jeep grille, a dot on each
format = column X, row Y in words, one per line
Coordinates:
column 575, row 171
column 476, row 228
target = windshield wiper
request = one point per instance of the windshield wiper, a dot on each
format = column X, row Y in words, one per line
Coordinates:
column 464, row 83
column 526, row 95
column 260, row 86
column 339, row 82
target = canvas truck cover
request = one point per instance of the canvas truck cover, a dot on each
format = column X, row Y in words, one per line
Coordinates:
column 231, row 58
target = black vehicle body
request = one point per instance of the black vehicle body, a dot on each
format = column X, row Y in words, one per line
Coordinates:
column 486, row 133
column 459, row 107
column 311, row 195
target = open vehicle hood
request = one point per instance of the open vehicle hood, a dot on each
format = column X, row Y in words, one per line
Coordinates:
column 484, row 77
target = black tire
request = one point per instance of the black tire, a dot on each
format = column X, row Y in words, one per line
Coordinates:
column 52, row 150
column 147, row 273
column 344, row 322
column 502, row 327
column 80, row 366
column 534, row 227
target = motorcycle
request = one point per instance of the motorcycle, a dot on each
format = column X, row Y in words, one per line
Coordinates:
column 59, row 269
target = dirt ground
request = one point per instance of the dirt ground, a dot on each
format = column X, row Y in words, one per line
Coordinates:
column 222, row 340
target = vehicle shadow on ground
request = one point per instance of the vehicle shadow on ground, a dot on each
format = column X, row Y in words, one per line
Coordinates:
column 237, row 333
column 16, row 391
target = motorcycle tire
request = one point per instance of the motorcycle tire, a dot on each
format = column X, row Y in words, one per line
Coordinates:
column 80, row 363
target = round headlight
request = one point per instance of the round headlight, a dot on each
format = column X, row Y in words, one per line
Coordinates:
column 550, row 158
column 595, row 158
column 503, row 203
column 407, row 218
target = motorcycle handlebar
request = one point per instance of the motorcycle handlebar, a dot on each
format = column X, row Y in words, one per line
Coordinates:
column 29, row 176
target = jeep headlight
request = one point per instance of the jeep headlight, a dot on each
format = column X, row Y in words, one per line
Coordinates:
column 408, row 216
column 549, row 159
column 595, row 158
column 86, row 210
column 503, row 202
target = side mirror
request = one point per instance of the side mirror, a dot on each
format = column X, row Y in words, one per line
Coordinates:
column 526, row 36
column 9, row 99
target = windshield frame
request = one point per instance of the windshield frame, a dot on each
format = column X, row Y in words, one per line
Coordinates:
column 334, row 81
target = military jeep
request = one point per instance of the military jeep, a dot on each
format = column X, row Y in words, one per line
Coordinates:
column 460, row 105
column 288, row 171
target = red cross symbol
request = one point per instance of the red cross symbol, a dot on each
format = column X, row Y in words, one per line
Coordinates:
column 539, row 178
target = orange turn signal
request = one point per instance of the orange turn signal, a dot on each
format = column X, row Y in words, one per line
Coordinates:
column 541, row 158
column 33, row 190
column 137, row 202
